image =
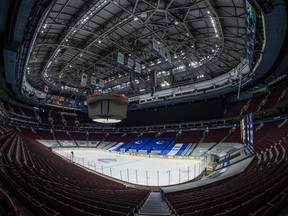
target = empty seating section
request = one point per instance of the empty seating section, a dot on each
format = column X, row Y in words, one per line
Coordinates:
column 162, row 146
column 6, row 205
column 114, row 137
column 190, row 136
column 19, row 112
column 8, row 107
column 259, row 190
column 151, row 135
column 270, row 133
column 70, row 119
column 45, row 135
column 168, row 149
column 78, row 136
column 284, row 96
column 234, row 136
column 128, row 137
column 114, row 146
column 96, row 136
column 234, row 109
column 273, row 98
column 216, row 135
column 276, row 95
column 169, row 134
column 176, row 145
column 175, row 149
column 59, row 135
column 27, row 112
column 182, row 150
column 57, row 119
column 30, row 133
column 4, row 129
column 54, row 118
column 254, row 104
column 43, row 116
column 157, row 144
column 50, row 185
column 136, row 144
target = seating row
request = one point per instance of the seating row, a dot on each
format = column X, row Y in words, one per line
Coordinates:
column 53, row 186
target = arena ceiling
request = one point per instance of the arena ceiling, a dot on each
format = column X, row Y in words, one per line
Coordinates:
column 205, row 39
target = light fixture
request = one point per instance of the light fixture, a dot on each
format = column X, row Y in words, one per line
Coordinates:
column 107, row 108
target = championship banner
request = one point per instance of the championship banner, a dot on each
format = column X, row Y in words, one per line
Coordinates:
column 120, row 60
column 138, row 67
column 130, row 64
column 169, row 58
column 101, row 83
column 246, row 127
column 93, row 80
column 242, row 130
column 163, row 53
column 250, row 127
column 155, row 46
column 46, row 89
column 83, row 79
column 250, row 18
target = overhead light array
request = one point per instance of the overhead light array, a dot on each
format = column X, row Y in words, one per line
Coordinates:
column 213, row 24
column 65, row 87
column 93, row 11
column 200, row 76
column 49, row 64
column 214, row 51
column 165, row 84
column 82, row 21
column 163, row 73
column 43, row 28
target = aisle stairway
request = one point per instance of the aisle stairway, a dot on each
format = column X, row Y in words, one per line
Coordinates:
column 155, row 206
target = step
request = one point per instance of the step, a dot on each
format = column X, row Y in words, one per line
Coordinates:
column 154, row 206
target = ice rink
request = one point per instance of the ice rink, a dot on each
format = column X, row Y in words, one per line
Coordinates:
column 136, row 169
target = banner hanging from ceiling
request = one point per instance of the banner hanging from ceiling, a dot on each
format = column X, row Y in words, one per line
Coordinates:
column 101, row 83
column 250, row 18
column 84, row 78
column 93, row 81
column 160, row 51
column 46, row 89
column 120, row 60
column 130, row 64
column 138, row 67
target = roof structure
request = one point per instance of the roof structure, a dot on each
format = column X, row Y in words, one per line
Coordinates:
column 181, row 42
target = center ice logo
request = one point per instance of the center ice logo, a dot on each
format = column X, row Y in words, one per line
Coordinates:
column 107, row 160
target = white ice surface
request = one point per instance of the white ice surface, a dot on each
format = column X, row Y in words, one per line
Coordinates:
column 136, row 169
